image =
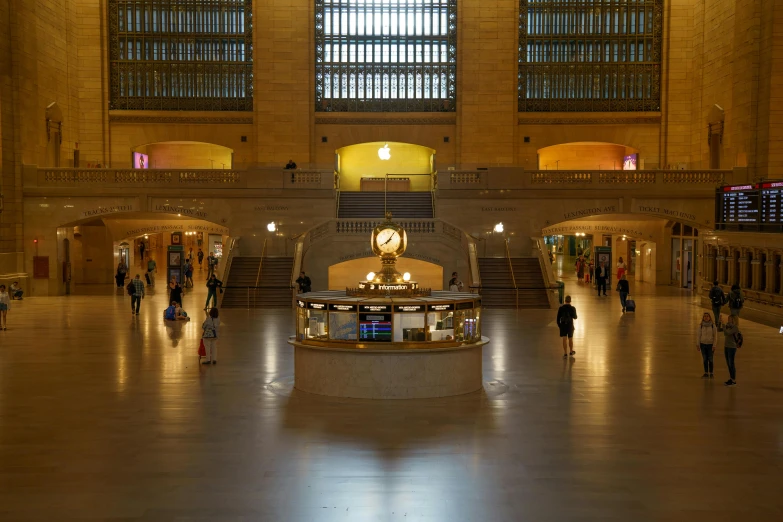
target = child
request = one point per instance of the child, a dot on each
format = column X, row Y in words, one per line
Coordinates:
column 5, row 301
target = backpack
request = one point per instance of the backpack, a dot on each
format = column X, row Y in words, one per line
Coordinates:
column 738, row 339
column 736, row 303
column 130, row 288
column 170, row 313
column 717, row 296
column 564, row 317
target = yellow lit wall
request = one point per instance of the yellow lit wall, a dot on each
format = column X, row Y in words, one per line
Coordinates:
column 348, row 273
column 583, row 155
column 187, row 155
column 362, row 161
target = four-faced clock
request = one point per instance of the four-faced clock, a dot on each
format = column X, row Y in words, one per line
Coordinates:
column 388, row 240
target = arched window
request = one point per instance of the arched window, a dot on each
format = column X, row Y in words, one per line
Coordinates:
column 181, row 55
column 590, row 55
column 385, row 55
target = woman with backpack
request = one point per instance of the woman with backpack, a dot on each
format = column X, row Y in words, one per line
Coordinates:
column 736, row 301
column 708, row 337
column 732, row 342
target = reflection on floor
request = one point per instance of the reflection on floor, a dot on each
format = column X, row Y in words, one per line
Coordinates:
column 108, row 416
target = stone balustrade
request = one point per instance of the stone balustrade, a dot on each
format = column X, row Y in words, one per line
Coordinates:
column 364, row 227
column 182, row 178
column 515, row 178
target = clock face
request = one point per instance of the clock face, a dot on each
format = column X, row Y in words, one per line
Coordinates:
column 388, row 240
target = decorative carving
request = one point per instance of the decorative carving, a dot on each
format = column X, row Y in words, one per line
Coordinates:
column 383, row 121
column 633, row 177
column 560, row 177
column 188, row 120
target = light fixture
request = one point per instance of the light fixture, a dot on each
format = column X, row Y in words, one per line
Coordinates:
column 384, row 152
column 499, row 228
column 271, row 226
column 371, row 276
column 406, row 276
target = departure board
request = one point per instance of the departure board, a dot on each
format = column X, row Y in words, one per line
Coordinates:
column 739, row 205
column 772, row 203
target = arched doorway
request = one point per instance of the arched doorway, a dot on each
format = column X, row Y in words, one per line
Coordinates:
column 588, row 155
column 348, row 273
column 184, row 155
column 364, row 166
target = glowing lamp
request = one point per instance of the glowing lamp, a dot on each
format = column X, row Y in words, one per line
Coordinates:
column 371, row 276
column 406, row 276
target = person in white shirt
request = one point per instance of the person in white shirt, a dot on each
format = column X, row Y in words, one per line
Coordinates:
column 455, row 285
column 209, row 335
column 708, row 337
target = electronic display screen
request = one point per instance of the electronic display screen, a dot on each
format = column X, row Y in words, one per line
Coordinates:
column 772, row 203
column 739, row 206
column 375, row 327
column 141, row 161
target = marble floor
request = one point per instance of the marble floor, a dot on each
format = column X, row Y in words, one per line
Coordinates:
column 108, row 416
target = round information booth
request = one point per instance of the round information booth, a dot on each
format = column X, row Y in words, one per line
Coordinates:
column 388, row 338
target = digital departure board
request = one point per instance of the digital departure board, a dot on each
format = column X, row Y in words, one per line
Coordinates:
column 772, row 203
column 750, row 207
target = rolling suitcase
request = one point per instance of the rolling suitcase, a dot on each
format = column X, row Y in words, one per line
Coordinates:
column 630, row 305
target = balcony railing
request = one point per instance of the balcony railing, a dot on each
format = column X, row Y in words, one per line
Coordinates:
column 182, row 178
column 515, row 178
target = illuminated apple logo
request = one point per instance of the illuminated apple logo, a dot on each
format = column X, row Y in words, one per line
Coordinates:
column 384, row 152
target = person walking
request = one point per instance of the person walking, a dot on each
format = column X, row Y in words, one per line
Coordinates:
column 190, row 255
column 175, row 291
column 580, row 268
column 209, row 335
column 736, row 302
column 621, row 268
column 708, row 337
column 732, row 341
column 122, row 271
column 718, row 299
column 304, row 283
column 5, row 304
column 624, row 288
column 211, row 264
column 601, row 275
column 189, row 274
column 200, row 256
column 152, row 269
column 213, row 283
column 137, row 295
column 566, row 315
column 455, row 285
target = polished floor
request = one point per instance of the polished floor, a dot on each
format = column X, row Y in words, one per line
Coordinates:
column 108, row 416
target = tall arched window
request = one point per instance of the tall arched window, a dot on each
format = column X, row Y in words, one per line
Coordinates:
column 590, row 55
column 386, row 55
column 181, row 54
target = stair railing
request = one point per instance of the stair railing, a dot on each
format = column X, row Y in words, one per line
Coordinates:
column 232, row 243
column 511, row 269
column 296, row 266
column 258, row 278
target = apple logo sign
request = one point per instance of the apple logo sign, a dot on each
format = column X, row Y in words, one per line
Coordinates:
column 384, row 152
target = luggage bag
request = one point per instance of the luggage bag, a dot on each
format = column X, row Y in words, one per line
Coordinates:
column 630, row 305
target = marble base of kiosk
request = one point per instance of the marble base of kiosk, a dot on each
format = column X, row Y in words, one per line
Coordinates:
column 431, row 346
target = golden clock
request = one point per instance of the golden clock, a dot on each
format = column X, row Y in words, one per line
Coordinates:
column 389, row 240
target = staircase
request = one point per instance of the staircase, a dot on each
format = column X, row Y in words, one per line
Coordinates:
column 497, row 284
column 273, row 289
column 400, row 204
column 243, row 272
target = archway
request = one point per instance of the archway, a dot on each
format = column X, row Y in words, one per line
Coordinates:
column 185, row 155
column 90, row 249
column 364, row 166
column 588, row 155
column 348, row 273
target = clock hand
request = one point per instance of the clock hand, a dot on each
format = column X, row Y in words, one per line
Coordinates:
column 388, row 240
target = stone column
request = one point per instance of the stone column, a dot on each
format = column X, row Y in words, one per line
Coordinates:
column 743, row 269
column 731, row 268
column 755, row 267
column 721, row 275
column 770, row 268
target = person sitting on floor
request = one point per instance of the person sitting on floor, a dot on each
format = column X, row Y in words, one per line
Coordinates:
column 175, row 313
column 16, row 291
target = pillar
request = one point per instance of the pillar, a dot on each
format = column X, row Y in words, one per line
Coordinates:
column 755, row 267
column 770, row 268
column 731, row 268
column 743, row 269
column 721, row 275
